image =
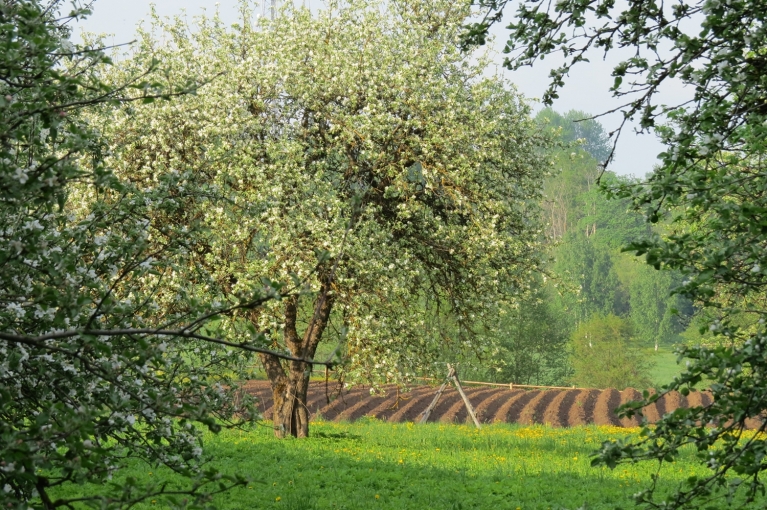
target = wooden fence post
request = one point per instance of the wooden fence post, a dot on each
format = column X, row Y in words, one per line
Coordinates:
column 464, row 397
column 427, row 412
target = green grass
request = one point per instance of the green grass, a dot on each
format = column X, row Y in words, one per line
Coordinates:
column 377, row 465
column 665, row 368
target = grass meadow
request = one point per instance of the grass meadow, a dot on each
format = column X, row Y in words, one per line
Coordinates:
column 665, row 367
column 378, row 465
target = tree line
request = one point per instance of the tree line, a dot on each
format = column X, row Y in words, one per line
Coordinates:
column 557, row 335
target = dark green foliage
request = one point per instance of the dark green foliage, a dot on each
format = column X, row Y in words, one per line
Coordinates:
column 533, row 341
column 592, row 228
column 654, row 305
column 590, row 267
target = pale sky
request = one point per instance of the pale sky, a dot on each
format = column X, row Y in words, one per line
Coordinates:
column 586, row 89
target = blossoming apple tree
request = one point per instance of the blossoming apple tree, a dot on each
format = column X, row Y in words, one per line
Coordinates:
column 360, row 154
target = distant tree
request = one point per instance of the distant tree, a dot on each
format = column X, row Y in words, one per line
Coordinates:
column 578, row 127
column 563, row 207
column 589, row 268
column 656, row 310
column 605, row 355
column 533, row 341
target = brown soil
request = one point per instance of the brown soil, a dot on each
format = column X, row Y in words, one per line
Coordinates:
column 343, row 401
column 582, row 410
column 630, row 395
column 394, row 401
column 482, row 400
column 604, row 408
column 488, row 408
column 672, row 401
column 534, row 410
column 559, row 408
column 651, row 412
column 417, row 405
column 514, row 411
column 450, row 398
column 513, row 398
column 457, row 412
column 552, row 415
column 474, row 394
column 364, row 406
column 695, row 399
column 699, row 399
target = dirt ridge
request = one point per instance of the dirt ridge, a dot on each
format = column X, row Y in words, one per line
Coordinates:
column 555, row 407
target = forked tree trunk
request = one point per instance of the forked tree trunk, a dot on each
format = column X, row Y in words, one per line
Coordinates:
column 290, row 380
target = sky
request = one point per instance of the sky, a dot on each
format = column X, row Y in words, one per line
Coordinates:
column 586, row 89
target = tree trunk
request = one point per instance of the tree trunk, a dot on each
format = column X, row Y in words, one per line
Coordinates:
column 290, row 380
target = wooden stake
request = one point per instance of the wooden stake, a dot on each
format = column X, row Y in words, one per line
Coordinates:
column 425, row 415
column 465, row 398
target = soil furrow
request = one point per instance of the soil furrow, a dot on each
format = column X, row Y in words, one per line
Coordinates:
column 458, row 413
column 417, row 404
column 672, row 401
column 563, row 410
column 651, row 411
column 330, row 412
column 364, row 406
column 450, row 398
column 486, row 409
column 533, row 411
column 501, row 413
column 605, row 406
column 582, row 410
column 695, row 399
column 515, row 411
column 394, row 401
column 630, row 395
column 559, row 408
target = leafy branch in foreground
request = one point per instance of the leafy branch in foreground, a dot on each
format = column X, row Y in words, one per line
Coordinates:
column 92, row 372
column 709, row 189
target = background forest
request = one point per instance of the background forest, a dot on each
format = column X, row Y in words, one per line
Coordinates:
column 601, row 317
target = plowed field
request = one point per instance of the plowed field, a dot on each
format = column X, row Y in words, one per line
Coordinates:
column 558, row 408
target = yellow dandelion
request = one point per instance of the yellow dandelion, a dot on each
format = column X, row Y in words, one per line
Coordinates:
column 377, row 496
column 277, row 498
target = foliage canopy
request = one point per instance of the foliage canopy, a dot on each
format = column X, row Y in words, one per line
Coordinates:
column 356, row 131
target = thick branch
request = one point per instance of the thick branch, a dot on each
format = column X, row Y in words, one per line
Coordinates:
column 40, row 341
